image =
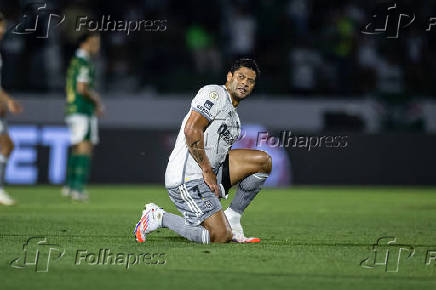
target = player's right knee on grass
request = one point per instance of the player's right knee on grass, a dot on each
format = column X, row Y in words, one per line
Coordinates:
column 220, row 235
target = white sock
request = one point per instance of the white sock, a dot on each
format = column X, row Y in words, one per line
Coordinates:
column 234, row 219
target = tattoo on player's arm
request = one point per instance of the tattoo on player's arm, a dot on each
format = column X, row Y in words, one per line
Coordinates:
column 196, row 151
column 195, row 141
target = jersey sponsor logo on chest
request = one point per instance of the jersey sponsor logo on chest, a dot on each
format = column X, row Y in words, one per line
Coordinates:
column 224, row 132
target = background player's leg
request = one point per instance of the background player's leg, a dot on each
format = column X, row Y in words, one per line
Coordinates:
column 81, row 165
column 249, row 169
column 6, row 147
column 218, row 227
column 70, row 168
column 193, row 233
column 69, row 180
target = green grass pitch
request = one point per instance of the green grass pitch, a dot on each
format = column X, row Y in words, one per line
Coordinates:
column 312, row 238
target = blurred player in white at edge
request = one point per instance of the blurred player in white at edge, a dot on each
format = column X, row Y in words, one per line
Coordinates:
column 6, row 143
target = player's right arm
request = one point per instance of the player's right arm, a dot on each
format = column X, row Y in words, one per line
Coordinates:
column 194, row 133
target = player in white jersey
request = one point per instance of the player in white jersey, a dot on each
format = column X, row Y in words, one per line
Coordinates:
column 215, row 104
column 6, row 144
column 202, row 166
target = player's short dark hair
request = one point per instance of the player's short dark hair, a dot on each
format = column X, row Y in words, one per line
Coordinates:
column 2, row 18
column 245, row 62
column 84, row 37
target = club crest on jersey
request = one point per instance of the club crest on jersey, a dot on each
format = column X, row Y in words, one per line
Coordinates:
column 213, row 95
column 208, row 104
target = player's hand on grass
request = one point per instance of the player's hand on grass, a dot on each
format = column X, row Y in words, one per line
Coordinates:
column 210, row 180
column 14, row 107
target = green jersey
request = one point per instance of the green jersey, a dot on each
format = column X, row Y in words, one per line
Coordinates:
column 80, row 70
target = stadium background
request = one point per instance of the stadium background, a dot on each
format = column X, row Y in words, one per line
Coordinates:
column 321, row 76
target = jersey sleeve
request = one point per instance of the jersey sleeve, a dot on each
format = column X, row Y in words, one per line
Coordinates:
column 83, row 75
column 207, row 103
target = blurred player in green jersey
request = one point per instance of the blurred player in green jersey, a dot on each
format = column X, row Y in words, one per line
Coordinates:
column 82, row 109
column 6, row 144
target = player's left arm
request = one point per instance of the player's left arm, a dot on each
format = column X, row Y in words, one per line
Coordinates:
column 84, row 89
column 12, row 105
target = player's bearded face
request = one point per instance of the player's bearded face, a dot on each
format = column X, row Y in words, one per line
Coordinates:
column 241, row 82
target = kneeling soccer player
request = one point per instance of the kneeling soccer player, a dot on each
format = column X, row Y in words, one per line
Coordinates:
column 202, row 167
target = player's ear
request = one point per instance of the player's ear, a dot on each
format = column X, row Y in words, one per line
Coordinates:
column 229, row 76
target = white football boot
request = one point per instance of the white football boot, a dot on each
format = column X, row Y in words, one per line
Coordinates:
column 79, row 196
column 5, row 199
column 151, row 220
column 234, row 219
column 66, row 191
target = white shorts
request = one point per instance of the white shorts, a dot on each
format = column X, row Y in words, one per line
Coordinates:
column 83, row 128
column 195, row 201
